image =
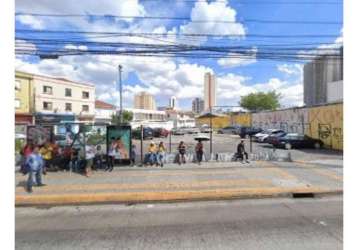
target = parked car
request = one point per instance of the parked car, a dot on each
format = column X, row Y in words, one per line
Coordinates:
column 229, row 130
column 147, row 133
column 290, row 141
column 262, row 136
column 160, row 132
column 178, row 131
column 205, row 129
column 272, row 138
column 192, row 130
column 246, row 132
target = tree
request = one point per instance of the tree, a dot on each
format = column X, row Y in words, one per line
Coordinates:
column 261, row 101
column 127, row 117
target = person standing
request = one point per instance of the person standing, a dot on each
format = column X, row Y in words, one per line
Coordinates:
column 133, row 154
column 241, row 151
column 89, row 156
column 111, row 155
column 25, row 152
column 182, row 151
column 35, row 164
column 199, row 150
column 161, row 154
column 46, row 153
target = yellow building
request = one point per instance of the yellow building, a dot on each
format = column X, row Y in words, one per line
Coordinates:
column 23, row 98
column 144, row 100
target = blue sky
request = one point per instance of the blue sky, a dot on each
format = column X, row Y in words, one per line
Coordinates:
column 183, row 78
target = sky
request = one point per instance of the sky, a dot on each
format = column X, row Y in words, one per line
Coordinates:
column 183, row 77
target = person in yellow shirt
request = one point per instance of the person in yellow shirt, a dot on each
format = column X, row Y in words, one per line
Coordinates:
column 152, row 153
column 46, row 152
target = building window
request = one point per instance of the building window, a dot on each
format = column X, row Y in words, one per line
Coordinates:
column 47, row 105
column 68, row 92
column 17, row 85
column 85, row 94
column 17, row 103
column 68, row 107
column 85, row 108
column 47, row 90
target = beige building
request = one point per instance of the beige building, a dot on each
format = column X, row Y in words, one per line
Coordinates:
column 59, row 96
column 144, row 100
column 23, row 98
column 209, row 91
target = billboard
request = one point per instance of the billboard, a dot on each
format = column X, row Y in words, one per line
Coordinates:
column 119, row 142
column 39, row 135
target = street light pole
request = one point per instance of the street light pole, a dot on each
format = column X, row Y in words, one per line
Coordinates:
column 120, row 94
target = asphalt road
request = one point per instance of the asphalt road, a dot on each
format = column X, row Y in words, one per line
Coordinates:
column 241, row 224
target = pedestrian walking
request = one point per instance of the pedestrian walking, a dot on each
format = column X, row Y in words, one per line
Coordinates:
column 241, row 151
column 199, row 150
column 161, row 154
column 182, row 151
column 35, row 163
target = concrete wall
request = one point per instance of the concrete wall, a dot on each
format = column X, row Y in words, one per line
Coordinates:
column 218, row 122
column 290, row 120
column 335, row 91
column 327, row 124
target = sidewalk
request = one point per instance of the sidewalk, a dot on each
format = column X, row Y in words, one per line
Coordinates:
column 209, row 181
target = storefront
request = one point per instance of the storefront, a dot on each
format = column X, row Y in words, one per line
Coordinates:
column 45, row 119
column 25, row 119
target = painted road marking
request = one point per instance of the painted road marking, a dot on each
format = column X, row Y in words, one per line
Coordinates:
column 320, row 171
column 158, row 185
column 276, row 169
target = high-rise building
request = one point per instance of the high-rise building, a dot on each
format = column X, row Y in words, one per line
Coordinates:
column 198, row 105
column 209, row 91
column 144, row 100
column 323, row 77
column 173, row 103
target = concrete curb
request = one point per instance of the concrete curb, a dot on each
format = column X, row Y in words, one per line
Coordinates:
column 169, row 196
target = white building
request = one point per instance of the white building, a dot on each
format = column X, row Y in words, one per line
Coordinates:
column 180, row 120
column 209, row 91
column 104, row 112
column 150, row 118
column 58, row 97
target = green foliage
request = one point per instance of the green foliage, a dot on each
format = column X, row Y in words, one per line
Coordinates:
column 127, row 117
column 261, row 101
column 96, row 139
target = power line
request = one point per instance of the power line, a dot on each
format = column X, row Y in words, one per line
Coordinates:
column 171, row 34
column 178, row 19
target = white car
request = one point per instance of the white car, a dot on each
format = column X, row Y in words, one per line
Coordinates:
column 262, row 136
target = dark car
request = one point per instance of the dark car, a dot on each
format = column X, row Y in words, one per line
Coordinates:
column 229, row 130
column 274, row 137
column 147, row 133
column 290, row 141
column 160, row 132
column 246, row 132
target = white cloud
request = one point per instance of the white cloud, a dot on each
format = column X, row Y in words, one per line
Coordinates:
column 213, row 11
column 31, row 21
column 291, row 69
column 239, row 59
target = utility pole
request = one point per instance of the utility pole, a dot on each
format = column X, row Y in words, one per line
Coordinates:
column 120, row 94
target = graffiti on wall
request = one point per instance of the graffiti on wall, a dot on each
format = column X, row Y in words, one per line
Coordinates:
column 327, row 125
